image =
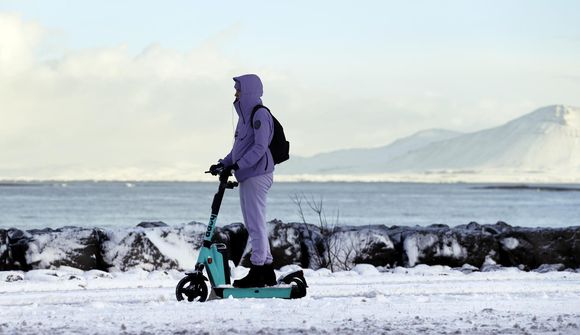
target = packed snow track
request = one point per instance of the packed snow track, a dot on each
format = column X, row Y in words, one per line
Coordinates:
column 367, row 300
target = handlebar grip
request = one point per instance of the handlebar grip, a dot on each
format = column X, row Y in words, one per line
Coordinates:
column 214, row 173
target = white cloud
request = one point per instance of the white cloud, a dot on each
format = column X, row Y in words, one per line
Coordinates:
column 17, row 42
column 105, row 109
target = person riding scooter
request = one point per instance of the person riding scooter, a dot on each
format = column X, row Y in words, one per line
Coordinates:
column 253, row 166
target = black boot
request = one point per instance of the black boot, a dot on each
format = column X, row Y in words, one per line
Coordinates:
column 252, row 279
column 268, row 275
column 259, row 276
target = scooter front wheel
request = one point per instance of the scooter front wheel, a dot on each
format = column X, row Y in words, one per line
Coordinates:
column 192, row 288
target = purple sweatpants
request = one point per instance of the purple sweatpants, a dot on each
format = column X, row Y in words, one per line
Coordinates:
column 253, row 192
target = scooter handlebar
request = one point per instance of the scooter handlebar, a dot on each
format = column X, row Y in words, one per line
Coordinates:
column 214, row 172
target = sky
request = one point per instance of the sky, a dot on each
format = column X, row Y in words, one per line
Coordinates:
column 143, row 89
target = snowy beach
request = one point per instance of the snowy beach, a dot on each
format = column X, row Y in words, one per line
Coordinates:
column 423, row 299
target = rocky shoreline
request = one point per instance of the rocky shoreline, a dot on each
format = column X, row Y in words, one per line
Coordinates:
column 156, row 246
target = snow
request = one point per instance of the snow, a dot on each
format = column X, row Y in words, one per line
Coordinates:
column 510, row 243
column 450, row 248
column 423, row 299
column 174, row 246
column 365, row 270
column 414, row 244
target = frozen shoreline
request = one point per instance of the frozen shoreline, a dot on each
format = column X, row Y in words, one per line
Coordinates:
column 157, row 246
column 423, row 299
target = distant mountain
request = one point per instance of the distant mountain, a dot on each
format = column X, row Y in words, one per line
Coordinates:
column 364, row 160
column 547, row 139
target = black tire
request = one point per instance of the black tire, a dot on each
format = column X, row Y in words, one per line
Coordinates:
column 298, row 288
column 192, row 288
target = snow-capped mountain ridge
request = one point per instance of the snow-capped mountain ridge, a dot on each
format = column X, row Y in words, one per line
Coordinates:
column 545, row 140
column 559, row 114
column 364, row 159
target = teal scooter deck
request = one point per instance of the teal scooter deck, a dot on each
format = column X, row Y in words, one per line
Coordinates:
column 261, row 292
column 291, row 286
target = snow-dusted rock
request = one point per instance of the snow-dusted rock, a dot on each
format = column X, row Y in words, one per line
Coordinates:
column 290, row 243
column 439, row 244
column 11, row 276
column 159, row 247
column 235, row 236
column 69, row 246
column 305, row 244
column 366, row 270
column 154, row 224
column 550, row 268
column 13, row 247
column 537, row 246
column 370, row 245
column 156, row 248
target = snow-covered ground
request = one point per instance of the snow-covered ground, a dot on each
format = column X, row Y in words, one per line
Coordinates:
column 367, row 300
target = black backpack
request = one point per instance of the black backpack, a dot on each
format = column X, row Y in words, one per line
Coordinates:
column 279, row 147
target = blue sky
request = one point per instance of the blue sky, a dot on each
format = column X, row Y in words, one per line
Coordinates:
column 309, row 29
column 379, row 70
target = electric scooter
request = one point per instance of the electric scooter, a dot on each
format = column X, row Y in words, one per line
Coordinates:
column 213, row 258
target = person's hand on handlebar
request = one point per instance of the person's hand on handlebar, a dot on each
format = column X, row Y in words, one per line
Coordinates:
column 216, row 169
column 227, row 171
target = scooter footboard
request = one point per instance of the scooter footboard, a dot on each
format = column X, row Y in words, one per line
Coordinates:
column 290, row 286
column 258, row 292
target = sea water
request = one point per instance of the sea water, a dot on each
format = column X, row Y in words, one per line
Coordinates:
column 122, row 204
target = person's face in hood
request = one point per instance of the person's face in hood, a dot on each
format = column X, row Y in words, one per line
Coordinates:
column 249, row 85
column 249, row 89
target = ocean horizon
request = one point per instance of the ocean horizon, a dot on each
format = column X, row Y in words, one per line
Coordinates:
column 123, row 204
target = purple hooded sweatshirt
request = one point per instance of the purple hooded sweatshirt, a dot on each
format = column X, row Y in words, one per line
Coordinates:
column 250, row 150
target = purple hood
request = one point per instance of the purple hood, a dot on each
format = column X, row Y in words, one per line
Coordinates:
column 250, row 150
column 251, row 90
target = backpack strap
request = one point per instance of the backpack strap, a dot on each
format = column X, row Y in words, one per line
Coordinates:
column 254, row 112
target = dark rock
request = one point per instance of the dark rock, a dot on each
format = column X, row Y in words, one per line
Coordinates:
column 285, row 243
column 371, row 245
column 155, row 224
column 445, row 246
column 3, row 249
column 502, row 227
column 439, row 226
column 549, row 268
column 135, row 250
column 69, row 246
column 533, row 247
column 155, row 246
column 490, row 267
column 467, row 268
column 235, row 237
column 307, row 246
column 13, row 250
column 14, row 277
column 473, row 226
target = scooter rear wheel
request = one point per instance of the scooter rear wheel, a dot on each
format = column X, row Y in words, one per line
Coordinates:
column 298, row 288
column 192, row 288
